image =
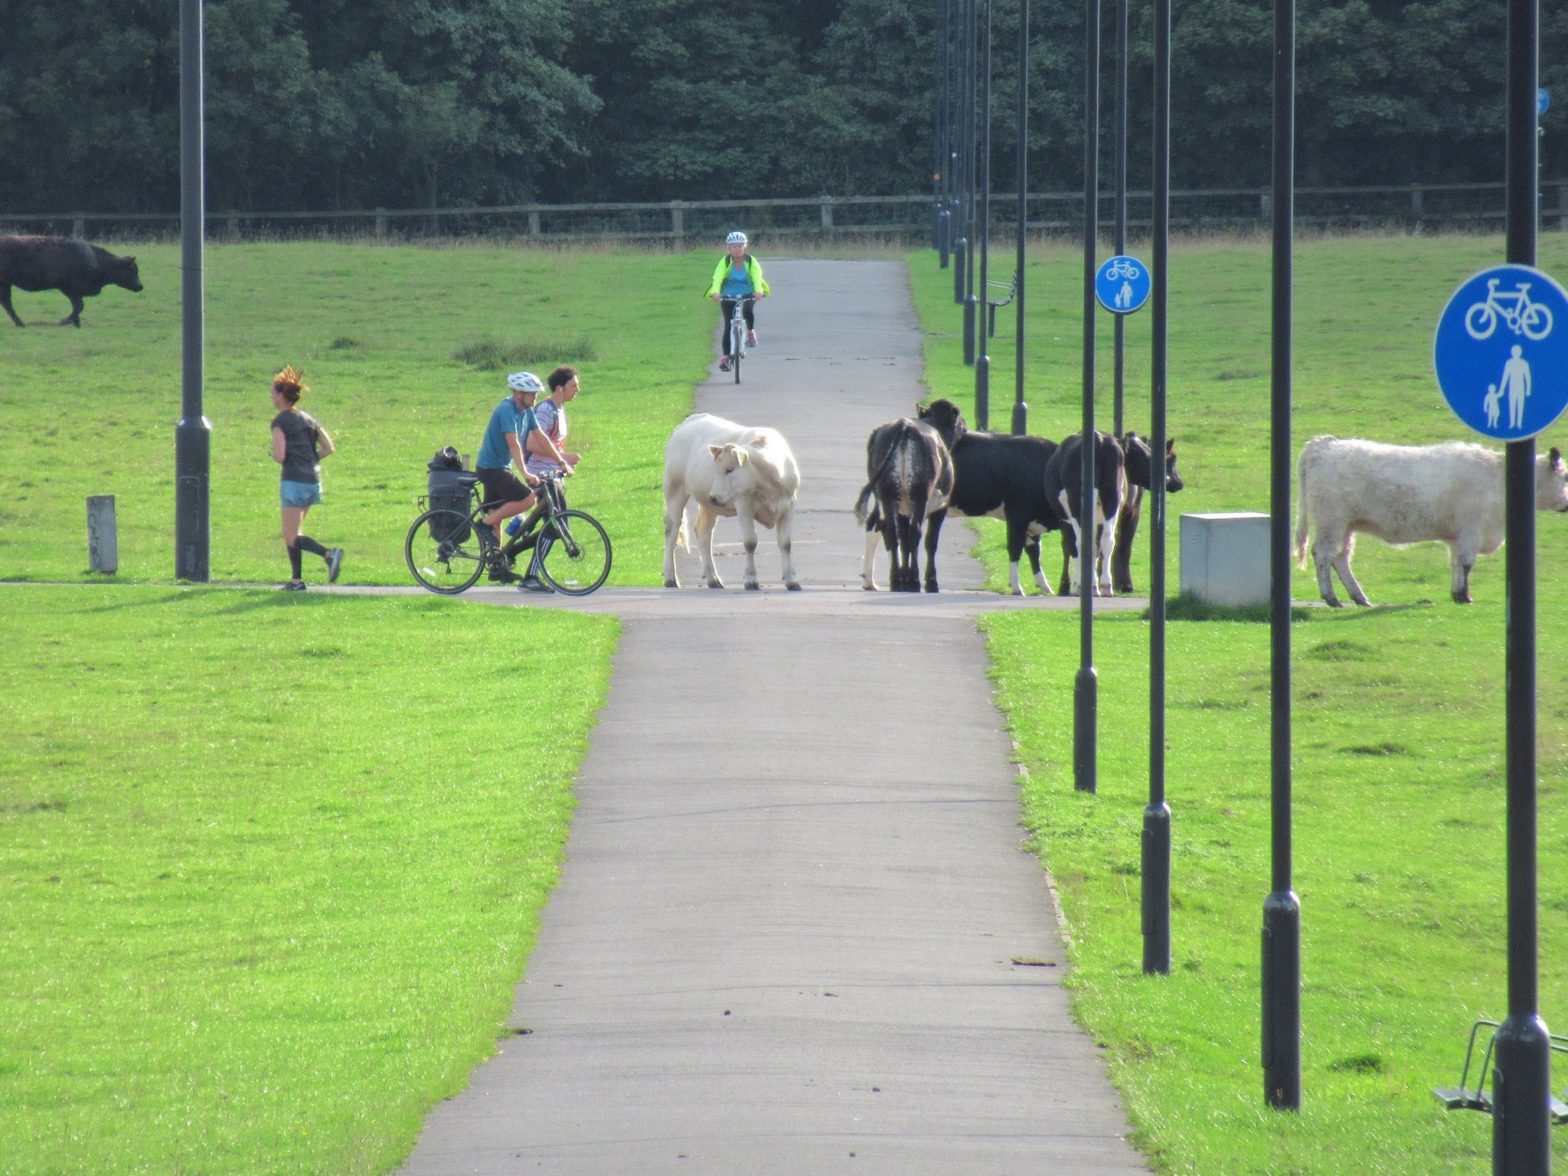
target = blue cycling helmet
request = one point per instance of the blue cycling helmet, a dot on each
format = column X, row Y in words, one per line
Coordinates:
column 524, row 382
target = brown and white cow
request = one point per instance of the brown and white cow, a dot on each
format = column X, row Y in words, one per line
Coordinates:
column 1138, row 457
column 909, row 475
column 733, row 470
column 1064, row 488
column 1451, row 492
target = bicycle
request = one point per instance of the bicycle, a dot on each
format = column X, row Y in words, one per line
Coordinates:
column 447, row 551
column 737, row 329
column 1518, row 313
column 1122, row 268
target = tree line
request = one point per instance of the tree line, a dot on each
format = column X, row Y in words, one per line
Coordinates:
column 338, row 104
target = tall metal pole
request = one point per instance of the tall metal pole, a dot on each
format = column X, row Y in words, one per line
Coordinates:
column 1282, row 909
column 1157, row 816
column 963, row 114
column 983, row 358
column 1020, row 409
column 1086, row 685
column 971, row 174
column 192, row 436
column 943, row 224
column 1521, row 1084
column 1120, row 324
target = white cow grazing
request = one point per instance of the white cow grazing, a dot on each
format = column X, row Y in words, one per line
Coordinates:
column 1408, row 494
column 729, row 469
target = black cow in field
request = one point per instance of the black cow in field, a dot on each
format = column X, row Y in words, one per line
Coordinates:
column 910, row 475
column 999, row 475
column 75, row 268
column 1139, row 463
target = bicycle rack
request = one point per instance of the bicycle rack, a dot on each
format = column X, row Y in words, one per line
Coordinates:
column 1464, row 1097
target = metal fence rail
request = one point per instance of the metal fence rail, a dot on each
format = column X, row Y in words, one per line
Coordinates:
column 683, row 223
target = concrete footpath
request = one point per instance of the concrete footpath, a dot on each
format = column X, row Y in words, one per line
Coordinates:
column 795, row 931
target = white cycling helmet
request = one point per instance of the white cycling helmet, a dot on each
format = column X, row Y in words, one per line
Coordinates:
column 524, row 382
column 735, row 238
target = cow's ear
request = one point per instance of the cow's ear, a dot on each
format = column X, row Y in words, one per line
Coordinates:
column 715, row 450
column 1557, row 457
column 759, row 441
column 921, row 408
column 1170, row 446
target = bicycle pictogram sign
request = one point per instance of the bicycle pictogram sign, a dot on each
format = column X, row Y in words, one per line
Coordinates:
column 1122, row 284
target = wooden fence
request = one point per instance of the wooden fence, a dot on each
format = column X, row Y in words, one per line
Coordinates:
column 683, row 223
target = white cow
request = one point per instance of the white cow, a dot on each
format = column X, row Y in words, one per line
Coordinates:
column 729, row 469
column 1409, row 494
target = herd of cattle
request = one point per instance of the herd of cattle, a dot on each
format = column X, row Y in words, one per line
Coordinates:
column 918, row 471
column 922, row 469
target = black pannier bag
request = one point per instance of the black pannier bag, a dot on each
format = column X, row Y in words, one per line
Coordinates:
column 447, row 488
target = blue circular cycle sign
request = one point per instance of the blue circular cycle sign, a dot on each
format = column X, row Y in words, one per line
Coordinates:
column 1501, row 352
column 1122, row 284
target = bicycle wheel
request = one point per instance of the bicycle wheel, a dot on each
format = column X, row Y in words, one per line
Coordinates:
column 574, row 553
column 737, row 343
column 443, row 552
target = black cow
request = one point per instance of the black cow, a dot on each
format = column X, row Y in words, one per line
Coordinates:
column 1139, row 463
column 999, row 475
column 910, row 474
column 1064, row 488
column 75, row 268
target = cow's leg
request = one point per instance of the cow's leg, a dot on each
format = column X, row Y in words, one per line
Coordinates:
column 1107, row 551
column 1075, row 559
column 933, row 533
column 1126, row 532
column 784, row 529
column 674, row 518
column 74, row 319
column 748, row 541
column 1327, row 550
column 1346, row 576
column 5, row 301
column 917, row 514
column 887, row 511
column 706, row 521
column 875, row 537
column 1462, row 557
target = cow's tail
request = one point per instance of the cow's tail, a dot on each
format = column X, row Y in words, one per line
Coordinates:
column 861, row 504
column 1301, row 510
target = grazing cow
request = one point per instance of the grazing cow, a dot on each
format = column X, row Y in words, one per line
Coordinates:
column 1139, row 463
column 910, row 475
column 731, row 470
column 75, row 268
column 997, row 475
column 1409, row 494
column 1064, row 487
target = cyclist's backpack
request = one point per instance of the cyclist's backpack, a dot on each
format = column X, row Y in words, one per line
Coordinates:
column 447, row 489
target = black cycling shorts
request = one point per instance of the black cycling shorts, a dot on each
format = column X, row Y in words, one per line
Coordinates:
column 502, row 485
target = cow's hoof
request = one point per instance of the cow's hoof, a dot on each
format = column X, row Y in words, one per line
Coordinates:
column 1333, row 602
column 792, row 585
column 869, row 587
column 1462, row 598
column 715, row 583
column 931, row 588
column 753, row 586
column 672, row 584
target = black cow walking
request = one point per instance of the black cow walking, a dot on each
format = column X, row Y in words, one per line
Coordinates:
column 999, row 475
column 1138, row 459
column 75, row 268
column 910, row 475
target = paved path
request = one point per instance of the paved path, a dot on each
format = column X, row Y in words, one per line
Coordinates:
column 795, row 931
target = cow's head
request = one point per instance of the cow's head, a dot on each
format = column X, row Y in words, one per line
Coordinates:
column 1551, row 482
column 944, row 417
column 1140, row 463
column 734, row 473
column 122, row 272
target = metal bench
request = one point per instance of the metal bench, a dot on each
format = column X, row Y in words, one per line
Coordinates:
column 1011, row 286
column 1465, row 1097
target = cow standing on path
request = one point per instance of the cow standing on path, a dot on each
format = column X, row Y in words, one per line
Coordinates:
column 997, row 475
column 1064, row 487
column 730, row 469
column 75, row 268
column 1409, row 494
column 910, row 475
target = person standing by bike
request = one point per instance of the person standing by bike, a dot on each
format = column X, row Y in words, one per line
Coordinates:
column 737, row 275
column 500, row 452
column 298, row 445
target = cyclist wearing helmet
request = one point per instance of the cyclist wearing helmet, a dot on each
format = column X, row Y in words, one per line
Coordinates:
column 737, row 275
column 499, row 452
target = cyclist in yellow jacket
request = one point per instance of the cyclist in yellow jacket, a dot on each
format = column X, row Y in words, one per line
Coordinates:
column 737, row 275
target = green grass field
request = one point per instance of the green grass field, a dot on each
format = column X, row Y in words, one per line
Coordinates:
column 242, row 832
column 1397, row 718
